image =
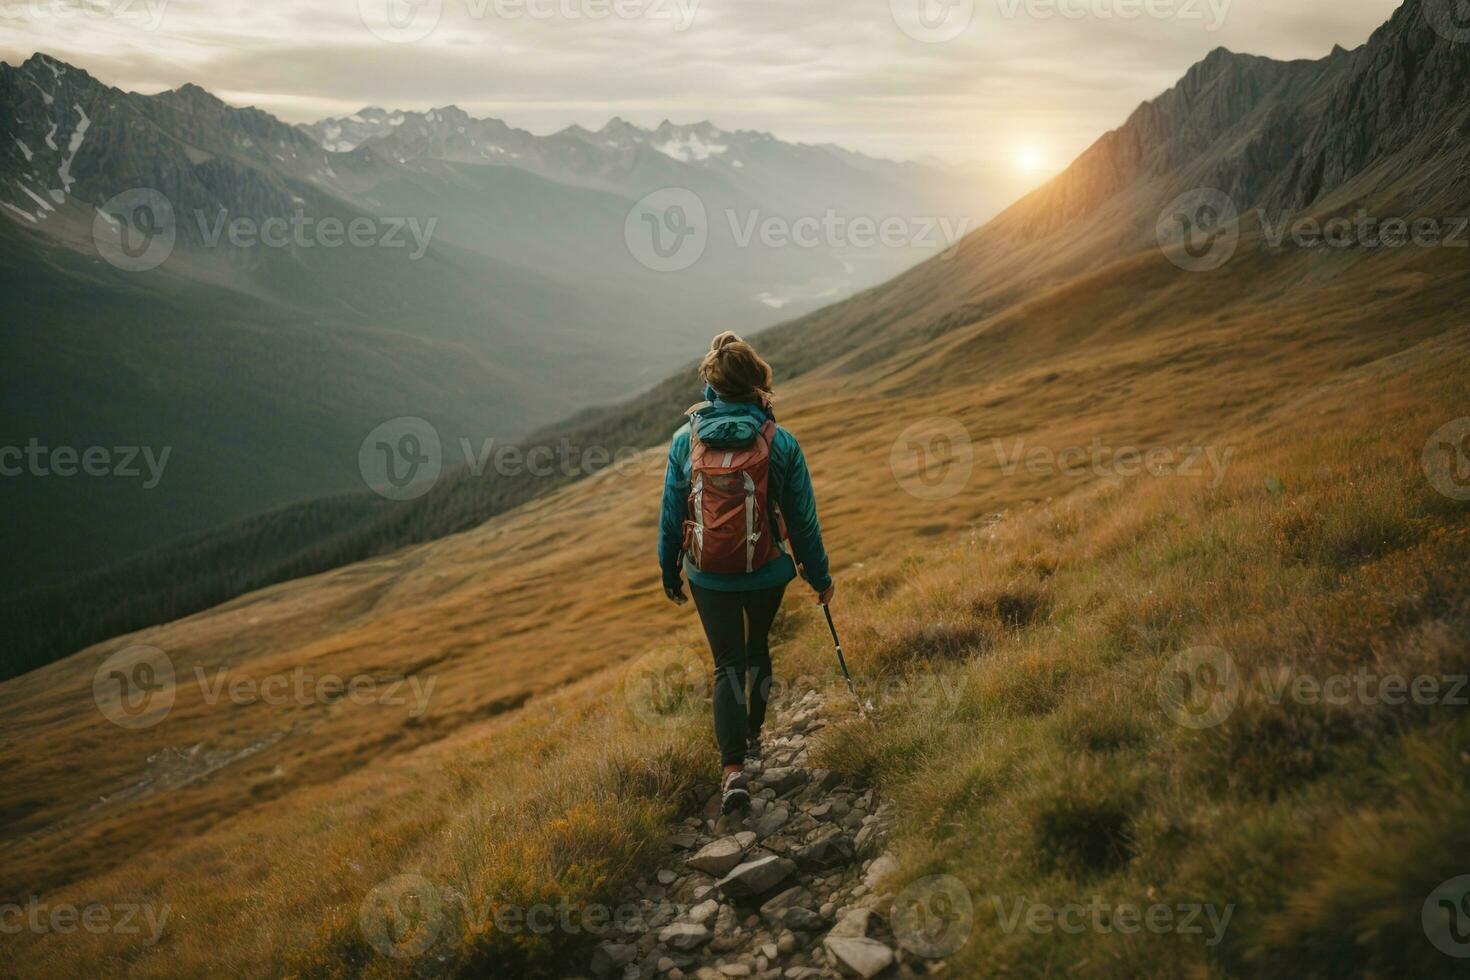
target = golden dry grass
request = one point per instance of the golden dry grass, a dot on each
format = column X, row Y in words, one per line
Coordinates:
column 1039, row 637
column 1054, row 774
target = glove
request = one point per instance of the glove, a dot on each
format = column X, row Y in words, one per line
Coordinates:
column 674, row 587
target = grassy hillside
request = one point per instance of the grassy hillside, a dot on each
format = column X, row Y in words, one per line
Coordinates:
column 1053, row 772
column 1029, row 738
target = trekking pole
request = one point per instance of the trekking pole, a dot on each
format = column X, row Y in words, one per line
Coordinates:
column 842, row 661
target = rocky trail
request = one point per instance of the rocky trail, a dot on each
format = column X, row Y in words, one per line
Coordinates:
column 793, row 888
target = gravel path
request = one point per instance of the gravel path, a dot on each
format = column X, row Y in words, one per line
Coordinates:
column 794, row 888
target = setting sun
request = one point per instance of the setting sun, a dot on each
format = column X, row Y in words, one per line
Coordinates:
column 1029, row 160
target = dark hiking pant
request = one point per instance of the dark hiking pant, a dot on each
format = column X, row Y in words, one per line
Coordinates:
column 738, row 626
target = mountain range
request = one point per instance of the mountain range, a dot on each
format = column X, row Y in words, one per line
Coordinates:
column 742, row 168
column 260, row 345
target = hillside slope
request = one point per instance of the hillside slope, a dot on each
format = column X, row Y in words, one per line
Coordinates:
column 483, row 620
column 501, row 613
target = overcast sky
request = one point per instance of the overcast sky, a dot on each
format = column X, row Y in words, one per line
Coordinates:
column 969, row 80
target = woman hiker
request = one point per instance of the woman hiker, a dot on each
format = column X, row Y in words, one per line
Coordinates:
column 735, row 487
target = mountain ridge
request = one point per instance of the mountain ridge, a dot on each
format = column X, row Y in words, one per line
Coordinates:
column 728, row 168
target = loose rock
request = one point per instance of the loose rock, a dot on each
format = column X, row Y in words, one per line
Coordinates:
column 611, row 956
column 828, row 852
column 860, row 957
column 773, row 821
column 783, row 781
column 684, row 936
column 755, row 878
column 721, row 856
column 881, row 867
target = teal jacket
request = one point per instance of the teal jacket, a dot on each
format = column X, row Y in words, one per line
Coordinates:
column 790, row 486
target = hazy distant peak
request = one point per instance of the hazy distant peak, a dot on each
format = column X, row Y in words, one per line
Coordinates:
column 620, row 156
column 704, row 125
column 450, row 114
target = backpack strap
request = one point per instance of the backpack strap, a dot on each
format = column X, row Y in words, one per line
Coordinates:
column 767, row 434
column 693, row 412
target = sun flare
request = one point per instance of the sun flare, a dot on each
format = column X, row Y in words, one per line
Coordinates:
column 1029, row 160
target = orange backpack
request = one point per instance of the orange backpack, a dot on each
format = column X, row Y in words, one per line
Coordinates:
column 730, row 527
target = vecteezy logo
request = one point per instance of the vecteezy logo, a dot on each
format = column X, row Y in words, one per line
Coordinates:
column 1447, row 459
column 402, row 916
column 135, row 231
column 933, row 917
column 932, row 21
column 401, row 459
column 1200, row 230
column 661, row 695
column 1446, row 917
column 933, row 458
column 400, row 21
column 1449, row 18
column 1199, row 687
column 134, row 687
column 667, row 231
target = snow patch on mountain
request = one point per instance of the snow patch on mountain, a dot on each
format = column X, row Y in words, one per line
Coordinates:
column 690, row 148
column 61, row 156
column 78, row 136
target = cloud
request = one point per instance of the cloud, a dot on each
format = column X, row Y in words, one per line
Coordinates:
column 816, row 70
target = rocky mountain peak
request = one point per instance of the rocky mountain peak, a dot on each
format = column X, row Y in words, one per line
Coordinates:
column 1276, row 135
column 192, row 95
column 50, row 77
column 42, row 62
column 704, row 128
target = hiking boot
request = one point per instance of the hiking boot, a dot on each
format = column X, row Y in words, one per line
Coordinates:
column 733, row 793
